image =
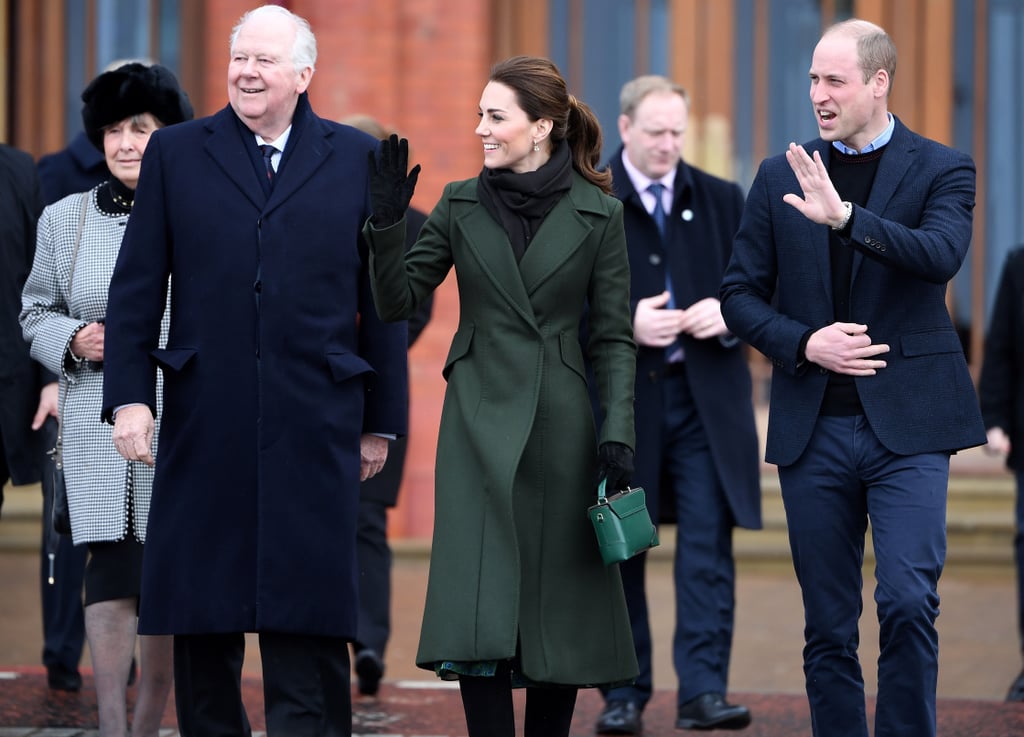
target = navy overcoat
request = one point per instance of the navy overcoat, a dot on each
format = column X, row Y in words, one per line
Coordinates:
column 275, row 364
column 705, row 214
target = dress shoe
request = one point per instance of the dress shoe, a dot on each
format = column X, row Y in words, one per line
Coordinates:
column 711, row 711
column 60, row 678
column 620, row 717
column 1016, row 692
column 369, row 671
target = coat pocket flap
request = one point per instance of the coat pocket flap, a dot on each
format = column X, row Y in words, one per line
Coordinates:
column 572, row 352
column 461, row 342
column 345, row 364
column 933, row 341
column 174, row 359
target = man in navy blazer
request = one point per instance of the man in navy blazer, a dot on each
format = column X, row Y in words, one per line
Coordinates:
column 838, row 275
column 281, row 387
column 696, row 449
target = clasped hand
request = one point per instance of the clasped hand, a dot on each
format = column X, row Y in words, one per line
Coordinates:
column 657, row 326
column 391, row 187
column 845, row 348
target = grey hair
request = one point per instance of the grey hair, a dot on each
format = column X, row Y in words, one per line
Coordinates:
column 304, row 48
column 635, row 90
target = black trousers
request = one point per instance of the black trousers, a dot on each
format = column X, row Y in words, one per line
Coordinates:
column 487, row 701
column 63, row 616
column 306, row 685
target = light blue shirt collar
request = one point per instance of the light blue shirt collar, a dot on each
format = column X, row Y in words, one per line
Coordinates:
column 882, row 139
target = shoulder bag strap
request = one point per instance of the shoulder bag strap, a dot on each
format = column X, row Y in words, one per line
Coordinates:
column 78, row 240
column 59, row 455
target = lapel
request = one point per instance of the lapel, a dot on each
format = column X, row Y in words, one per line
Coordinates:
column 560, row 235
column 900, row 153
column 233, row 148
column 489, row 244
column 815, row 234
column 308, row 148
column 227, row 147
column 563, row 232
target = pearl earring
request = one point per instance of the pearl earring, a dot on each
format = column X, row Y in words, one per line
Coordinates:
column 536, row 146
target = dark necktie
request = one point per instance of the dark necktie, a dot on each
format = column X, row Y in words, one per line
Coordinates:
column 657, row 189
column 674, row 352
column 268, row 152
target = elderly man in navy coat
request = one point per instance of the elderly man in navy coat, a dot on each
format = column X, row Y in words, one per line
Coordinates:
column 839, row 275
column 281, row 387
column 696, row 448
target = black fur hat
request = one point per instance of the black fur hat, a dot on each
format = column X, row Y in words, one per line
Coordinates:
column 129, row 90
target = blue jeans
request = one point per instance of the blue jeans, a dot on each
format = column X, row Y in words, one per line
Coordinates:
column 845, row 478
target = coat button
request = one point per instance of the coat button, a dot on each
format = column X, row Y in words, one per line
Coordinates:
column 654, row 259
column 257, row 286
column 687, row 214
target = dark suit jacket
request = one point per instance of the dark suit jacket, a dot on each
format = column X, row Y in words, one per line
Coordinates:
column 908, row 242
column 1001, row 389
column 77, row 168
column 20, row 207
column 716, row 370
column 275, row 364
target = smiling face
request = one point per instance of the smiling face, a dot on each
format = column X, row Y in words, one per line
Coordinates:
column 124, row 142
column 508, row 134
column 847, row 108
column 653, row 137
column 263, row 84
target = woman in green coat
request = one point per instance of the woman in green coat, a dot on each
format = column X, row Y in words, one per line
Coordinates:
column 517, row 593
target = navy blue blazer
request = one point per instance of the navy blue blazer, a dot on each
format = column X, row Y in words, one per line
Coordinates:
column 717, row 370
column 908, row 242
column 275, row 364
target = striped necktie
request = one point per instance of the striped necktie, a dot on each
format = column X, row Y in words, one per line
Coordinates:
column 268, row 153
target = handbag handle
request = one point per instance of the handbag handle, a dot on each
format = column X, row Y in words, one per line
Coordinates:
column 601, row 498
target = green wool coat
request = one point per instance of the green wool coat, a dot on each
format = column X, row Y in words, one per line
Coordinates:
column 514, row 560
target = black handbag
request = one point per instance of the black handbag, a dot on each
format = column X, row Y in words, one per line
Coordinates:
column 60, row 515
column 622, row 524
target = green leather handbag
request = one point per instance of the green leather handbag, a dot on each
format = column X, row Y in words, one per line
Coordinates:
column 622, row 524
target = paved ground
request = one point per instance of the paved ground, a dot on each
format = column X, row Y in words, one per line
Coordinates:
column 978, row 644
column 978, row 654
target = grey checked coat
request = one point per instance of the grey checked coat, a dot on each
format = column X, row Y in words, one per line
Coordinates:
column 96, row 476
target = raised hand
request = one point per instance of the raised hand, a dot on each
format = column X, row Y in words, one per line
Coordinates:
column 820, row 202
column 391, row 187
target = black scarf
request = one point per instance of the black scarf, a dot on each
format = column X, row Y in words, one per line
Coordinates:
column 520, row 202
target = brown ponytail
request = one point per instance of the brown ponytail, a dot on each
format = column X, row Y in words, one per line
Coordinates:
column 541, row 92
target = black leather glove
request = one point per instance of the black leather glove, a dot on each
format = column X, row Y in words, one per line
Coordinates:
column 615, row 463
column 390, row 187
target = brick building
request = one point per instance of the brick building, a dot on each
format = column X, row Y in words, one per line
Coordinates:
column 419, row 66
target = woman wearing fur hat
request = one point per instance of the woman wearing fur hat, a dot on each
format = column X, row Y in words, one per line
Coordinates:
column 63, row 308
